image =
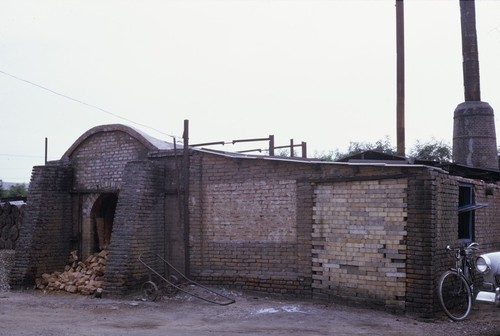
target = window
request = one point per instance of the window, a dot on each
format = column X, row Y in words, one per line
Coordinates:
column 466, row 213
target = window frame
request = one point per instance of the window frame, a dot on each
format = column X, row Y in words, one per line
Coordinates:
column 466, row 213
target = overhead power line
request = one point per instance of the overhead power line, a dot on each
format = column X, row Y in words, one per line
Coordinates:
column 21, row 156
column 84, row 103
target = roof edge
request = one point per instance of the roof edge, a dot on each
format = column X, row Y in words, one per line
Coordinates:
column 144, row 140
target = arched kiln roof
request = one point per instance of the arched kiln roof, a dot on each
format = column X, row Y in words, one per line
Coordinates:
column 148, row 141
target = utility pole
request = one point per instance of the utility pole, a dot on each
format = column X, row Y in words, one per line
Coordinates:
column 400, row 104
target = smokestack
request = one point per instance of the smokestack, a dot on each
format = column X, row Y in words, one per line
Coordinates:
column 474, row 138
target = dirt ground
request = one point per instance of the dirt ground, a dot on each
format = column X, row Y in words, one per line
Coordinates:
column 46, row 314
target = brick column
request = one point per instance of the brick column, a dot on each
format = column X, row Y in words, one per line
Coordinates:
column 44, row 238
column 138, row 226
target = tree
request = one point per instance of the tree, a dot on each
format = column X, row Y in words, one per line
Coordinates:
column 17, row 190
column 383, row 146
column 328, row 156
column 2, row 191
column 433, row 150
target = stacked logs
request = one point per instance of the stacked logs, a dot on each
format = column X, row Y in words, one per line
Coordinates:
column 11, row 219
column 79, row 277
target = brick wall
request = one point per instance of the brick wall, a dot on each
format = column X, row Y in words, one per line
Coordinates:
column 359, row 235
column 425, row 194
column 138, row 227
column 99, row 161
column 250, row 224
column 488, row 218
column 44, row 237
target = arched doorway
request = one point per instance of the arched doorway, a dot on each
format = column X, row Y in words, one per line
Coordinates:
column 103, row 213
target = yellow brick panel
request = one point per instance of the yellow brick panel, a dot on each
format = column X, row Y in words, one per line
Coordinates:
column 362, row 225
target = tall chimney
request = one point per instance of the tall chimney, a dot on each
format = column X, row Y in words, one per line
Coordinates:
column 474, row 139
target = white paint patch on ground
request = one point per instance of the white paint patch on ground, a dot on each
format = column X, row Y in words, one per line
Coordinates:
column 286, row 309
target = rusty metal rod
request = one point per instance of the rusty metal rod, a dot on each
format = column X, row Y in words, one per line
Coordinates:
column 209, row 143
column 250, row 150
column 250, row 140
column 287, row 146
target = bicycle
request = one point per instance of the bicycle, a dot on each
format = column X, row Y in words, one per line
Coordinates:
column 456, row 286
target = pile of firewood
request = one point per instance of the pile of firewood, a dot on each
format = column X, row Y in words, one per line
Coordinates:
column 78, row 277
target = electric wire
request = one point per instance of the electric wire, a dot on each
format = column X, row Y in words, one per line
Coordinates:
column 86, row 104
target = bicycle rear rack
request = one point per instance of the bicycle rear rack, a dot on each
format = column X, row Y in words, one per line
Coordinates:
column 184, row 284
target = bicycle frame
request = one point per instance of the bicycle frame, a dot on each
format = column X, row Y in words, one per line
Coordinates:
column 456, row 286
column 464, row 262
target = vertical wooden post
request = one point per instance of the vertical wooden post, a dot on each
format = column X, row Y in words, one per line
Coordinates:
column 291, row 148
column 400, row 104
column 186, row 198
column 304, row 150
column 271, row 145
column 46, row 148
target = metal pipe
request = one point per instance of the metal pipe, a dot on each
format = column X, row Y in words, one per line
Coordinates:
column 209, row 143
column 249, row 140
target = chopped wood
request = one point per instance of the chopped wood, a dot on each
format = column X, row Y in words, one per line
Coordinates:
column 85, row 278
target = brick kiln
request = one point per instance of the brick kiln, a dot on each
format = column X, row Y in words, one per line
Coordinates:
column 107, row 181
column 370, row 231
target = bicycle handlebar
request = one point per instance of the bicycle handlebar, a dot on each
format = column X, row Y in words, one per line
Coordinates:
column 463, row 250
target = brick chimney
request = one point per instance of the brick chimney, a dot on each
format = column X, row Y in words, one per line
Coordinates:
column 474, row 138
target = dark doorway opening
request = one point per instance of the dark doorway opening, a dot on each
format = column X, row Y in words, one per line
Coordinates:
column 103, row 213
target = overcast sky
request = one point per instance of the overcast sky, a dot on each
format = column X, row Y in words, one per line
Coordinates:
column 319, row 71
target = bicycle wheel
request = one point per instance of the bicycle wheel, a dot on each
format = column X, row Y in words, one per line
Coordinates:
column 455, row 295
column 150, row 291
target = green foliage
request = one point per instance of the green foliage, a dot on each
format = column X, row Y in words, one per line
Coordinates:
column 285, row 153
column 433, row 150
column 327, row 156
column 17, row 190
column 383, row 146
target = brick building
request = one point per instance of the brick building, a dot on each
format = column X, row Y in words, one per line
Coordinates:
column 367, row 231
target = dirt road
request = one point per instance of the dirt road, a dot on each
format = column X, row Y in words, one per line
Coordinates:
column 35, row 313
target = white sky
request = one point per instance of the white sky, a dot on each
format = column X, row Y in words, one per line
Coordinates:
column 319, row 71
